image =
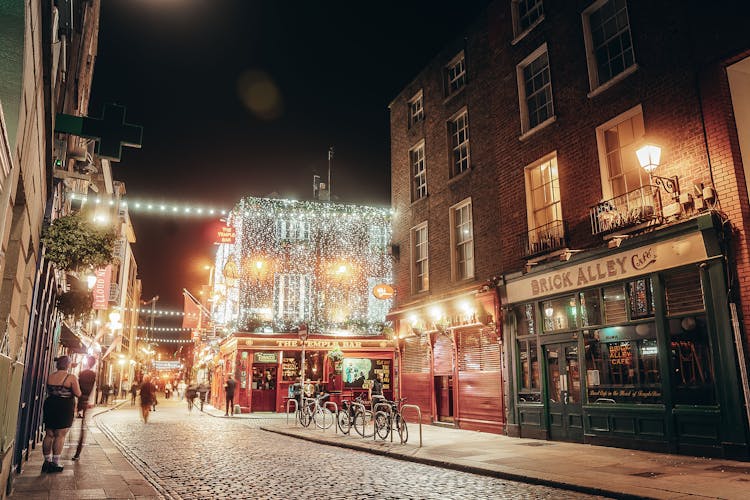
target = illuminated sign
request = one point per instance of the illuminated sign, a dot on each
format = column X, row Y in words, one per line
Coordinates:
column 266, row 357
column 101, row 288
column 383, row 291
column 226, row 234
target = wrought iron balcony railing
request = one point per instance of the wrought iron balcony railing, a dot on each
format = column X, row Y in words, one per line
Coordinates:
column 544, row 239
column 630, row 210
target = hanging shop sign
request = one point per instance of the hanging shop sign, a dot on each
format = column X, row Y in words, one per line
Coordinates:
column 226, row 234
column 617, row 266
column 100, row 291
column 167, row 365
column 383, row 291
column 265, row 357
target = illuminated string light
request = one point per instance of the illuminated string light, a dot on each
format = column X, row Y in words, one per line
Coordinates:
column 163, row 328
column 153, row 207
column 169, row 341
column 157, row 312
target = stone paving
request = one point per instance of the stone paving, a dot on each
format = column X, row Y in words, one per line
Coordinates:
column 196, row 455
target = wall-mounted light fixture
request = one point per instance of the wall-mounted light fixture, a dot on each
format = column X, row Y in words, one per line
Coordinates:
column 649, row 156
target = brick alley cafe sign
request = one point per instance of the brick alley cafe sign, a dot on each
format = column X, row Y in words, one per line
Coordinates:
column 617, row 266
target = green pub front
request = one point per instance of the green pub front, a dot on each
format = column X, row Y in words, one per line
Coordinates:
column 632, row 346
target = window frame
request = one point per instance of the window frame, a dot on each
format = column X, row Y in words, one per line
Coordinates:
column 607, row 191
column 595, row 85
column 416, row 117
column 530, row 208
column 426, row 259
column 418, row 180
column 455, row 244
column 526, row 127
column 458, row 59
column 518, row 32
column 453, row 132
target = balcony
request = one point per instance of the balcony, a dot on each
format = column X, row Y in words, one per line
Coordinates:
column 544, row 239
column 630, row 211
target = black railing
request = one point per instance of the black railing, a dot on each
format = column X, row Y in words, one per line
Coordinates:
column 636, row 208
column 544, row 239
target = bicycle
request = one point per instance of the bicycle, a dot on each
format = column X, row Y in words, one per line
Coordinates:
column 363, row 419
column 392, row 420
column 347, row 413
column 313, row 411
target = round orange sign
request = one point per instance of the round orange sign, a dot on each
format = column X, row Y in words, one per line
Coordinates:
column 383, row 291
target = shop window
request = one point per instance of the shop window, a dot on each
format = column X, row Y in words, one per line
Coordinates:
column 614, row 304
column 559, row 314
column 591, row 313
column 525, row 320
column 622, row 367
column 684, row 292
column 290, row 366
column 529, row 392
column 416, row 355
column 693, row 375
column 641, row 295
column 478, row 352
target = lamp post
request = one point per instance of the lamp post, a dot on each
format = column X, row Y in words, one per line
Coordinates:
column 303, row 333
column 649, row 156
column 120, row 362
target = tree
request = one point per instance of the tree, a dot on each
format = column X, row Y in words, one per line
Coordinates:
column 72, row 242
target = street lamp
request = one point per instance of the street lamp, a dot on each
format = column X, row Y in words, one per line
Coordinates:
column 120, row 362
column 649, row 156
column 303, row 334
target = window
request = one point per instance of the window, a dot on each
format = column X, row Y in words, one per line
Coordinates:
column 535, row 90
column 458, row 129
column 559, row 314
column 543, row 195
column 526, row 15
column 525, row 319
column 416, row 109
column 292, row 296
column 418, row 172
column 529, row 390
column 379, row 237
column 420, row 258
column 455, row 75
column 292, row 230
column 463, row 241
column 609, row 47
column 618, row 140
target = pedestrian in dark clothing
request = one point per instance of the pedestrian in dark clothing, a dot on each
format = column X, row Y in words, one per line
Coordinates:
column 229, row 390
column 202, row 392
column 133, row 392
column 190, row 393
column 87, row 381
column 148, row 397
column 106, row 388
column 59, row 410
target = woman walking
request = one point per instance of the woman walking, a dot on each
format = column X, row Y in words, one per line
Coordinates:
column 59, row 410
column 148, row 397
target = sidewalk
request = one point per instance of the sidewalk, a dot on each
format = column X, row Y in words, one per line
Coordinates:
column 597, row 470
column 102, row 471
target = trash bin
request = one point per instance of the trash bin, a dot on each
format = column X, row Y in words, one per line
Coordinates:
column 237, row 409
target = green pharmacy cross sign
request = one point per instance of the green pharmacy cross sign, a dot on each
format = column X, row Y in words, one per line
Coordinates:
column 110, row 131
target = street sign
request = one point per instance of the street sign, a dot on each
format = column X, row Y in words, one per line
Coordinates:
column 226, row 234
column 167, row 365
column 110, row 131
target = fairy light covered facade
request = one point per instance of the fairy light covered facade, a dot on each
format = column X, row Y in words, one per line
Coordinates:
column 306, row 262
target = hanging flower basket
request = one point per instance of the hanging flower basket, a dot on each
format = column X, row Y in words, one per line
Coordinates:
column 336, row 356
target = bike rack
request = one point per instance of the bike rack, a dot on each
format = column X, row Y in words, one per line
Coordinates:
column 390, row 416
column 296, row 408
column 363, row 412
column 419, row 414
column 335, row 415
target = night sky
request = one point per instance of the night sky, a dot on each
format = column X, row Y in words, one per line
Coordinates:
column 244, row 97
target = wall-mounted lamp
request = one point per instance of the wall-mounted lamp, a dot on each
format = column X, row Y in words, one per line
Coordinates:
column 649, row 156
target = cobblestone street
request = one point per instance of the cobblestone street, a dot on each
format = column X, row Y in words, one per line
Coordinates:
column 195, row 455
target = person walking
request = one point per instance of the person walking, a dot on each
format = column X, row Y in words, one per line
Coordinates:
column 133, row 392
column 190, row 393
column 168, row 390
column 106, row 388
column 148, row 397
column 124, row 388
column 87, row 381
column 202, row 393
column 181, row 386
column 229, row 391
column 59, row 410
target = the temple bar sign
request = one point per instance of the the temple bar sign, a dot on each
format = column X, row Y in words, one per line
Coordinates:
column 647, row 259
column 226, row 234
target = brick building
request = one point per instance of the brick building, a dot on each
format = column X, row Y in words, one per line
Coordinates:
column 618, row 276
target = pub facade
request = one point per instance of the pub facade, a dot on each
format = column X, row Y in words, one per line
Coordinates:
column 266, row 365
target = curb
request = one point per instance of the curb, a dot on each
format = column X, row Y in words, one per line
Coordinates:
column 466, row 468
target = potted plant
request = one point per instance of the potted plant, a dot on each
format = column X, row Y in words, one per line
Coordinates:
column 336, row 356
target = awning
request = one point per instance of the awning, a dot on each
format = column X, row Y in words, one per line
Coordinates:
column 69, row 339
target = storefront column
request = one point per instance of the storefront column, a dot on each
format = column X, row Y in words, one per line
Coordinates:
column 664, row 343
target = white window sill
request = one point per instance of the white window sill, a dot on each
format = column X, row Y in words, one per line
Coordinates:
column 544, row 124
column 614, row 81
column 528, row 30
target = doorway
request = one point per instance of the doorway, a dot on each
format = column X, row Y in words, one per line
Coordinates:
column 264, row 387
column 565, row 414
column 444, row 398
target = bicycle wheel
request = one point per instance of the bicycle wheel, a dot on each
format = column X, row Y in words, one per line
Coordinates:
column 382, row 424
column 344, row 421
column 403, row 430
column 362, row 422
column 304, row 417
column 323, row 418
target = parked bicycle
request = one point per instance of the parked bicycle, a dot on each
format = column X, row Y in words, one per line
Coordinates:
column 314, row 410
column 348, row 412
column 391, row 420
